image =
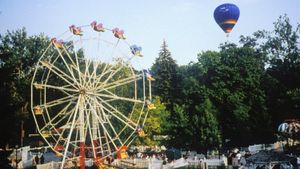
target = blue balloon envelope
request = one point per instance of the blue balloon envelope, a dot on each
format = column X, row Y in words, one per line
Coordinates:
column 226, row 16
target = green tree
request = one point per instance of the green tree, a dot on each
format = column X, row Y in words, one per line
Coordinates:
column 18, row 54
column 282, row 48
column 207, row 126
column 167, row 86
column 165, row 73
column 179, row 128
column 282, row 78
column 156, row 125
column 200, row 126
column 229, row 77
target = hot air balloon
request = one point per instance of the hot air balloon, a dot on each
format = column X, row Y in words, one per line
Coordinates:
column 226, row 16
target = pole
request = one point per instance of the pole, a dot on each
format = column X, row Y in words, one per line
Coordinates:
column 81, row 133
column 22, row 132
column 16, row 156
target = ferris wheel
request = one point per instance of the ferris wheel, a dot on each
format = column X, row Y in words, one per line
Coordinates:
column 87, row 99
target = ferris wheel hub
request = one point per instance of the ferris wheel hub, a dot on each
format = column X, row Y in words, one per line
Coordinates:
column 82, row 91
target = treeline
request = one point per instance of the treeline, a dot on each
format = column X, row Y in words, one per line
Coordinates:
column 231, row 97
column 235, row 96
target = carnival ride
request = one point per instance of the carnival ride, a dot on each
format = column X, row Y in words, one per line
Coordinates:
column 87, row 99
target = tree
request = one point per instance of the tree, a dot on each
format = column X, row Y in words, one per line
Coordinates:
column 165, row 73
column 207, row 126
column 179, row 128
column 203, row 125
column 229, row 76
column 282, row 48
column 282, row 78
column 18, row 54
column 156, row 125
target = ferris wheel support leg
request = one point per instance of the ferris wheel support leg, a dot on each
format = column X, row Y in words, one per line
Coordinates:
column 97, row 158
column 150, row 96
column 82, row 155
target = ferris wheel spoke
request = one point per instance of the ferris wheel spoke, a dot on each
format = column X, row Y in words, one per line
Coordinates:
column 67, row 53
column 129, row 138
column 100, row 136
column 118, row 83
column 103, row 73
column 77, row 64
column 90, row 129
column 66, row 92
column 121, row 116
column 107, row 129
column 94, row 79
column 61, row 115
column 66, row 129
column 62, row 100
column 117, row 136
column 56, row 103
column 104, row 141
column 86, row 73
column 115, row 97
column 71, row 130
column 112, row 73
column 65, row 49
column 60, row 88
column 89, row 78
column 97, row 81
column 130, row 141
column 53, row 123
column 118, row 115
column 111, row 140
column 61, row 74
column 94, row 75
column 111, row 126
column 48, row 47
column 67, row 66
column 52, row 67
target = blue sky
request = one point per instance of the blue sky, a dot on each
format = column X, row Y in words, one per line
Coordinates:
column 187, row 26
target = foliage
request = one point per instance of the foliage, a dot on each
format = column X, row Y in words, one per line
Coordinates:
column 155, row 125
column 165, row 70
column 282, row 78
column 18, row 54
column 282, row 48
column 239, row 71
column 207, row 127
column 178, row 129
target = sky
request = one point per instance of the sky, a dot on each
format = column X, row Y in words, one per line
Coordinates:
column 187, row 26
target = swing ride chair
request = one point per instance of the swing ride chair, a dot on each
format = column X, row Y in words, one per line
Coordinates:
column 89, row 108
